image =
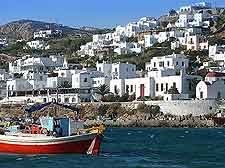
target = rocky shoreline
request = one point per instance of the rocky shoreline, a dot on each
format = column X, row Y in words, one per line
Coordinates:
column 154, row 123
column 115, row 115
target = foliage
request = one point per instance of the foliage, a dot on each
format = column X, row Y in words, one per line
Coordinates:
column 152, row 109
column 192, row 56
column 103, row 109
column 66, row 84
column 192, row 88
column 16, row 49
column 17, row 75
column 220, row 23
column 140, row 59
column 117, row 98
column 124, row 98
column 4, row 65
column 132, row 39
column 68, row 46
column 110, row 98
column 110, row 110
column 144, row 98
column 216, row 40
column 173, row 90
column 103, row 90
column 172, row 12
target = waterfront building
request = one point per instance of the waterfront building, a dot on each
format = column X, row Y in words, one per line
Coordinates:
column 163, row 73
column 213, row 87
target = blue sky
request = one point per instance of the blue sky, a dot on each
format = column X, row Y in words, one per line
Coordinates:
column 97, row 13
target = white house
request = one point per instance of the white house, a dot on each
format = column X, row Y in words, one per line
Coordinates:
column 195, row 6
column 43, row 34
column 38, row 44
column 36, row 64
column 217, row 53
column 149, row 40
column 81, row 80
column 125, row 48
column 163, row 74
column 3, row 42
column 46, row 33
column 207, row 90
column 213, row 87
column 139, row 86
column 117, row 70
column 197, row 42
column 174, row 61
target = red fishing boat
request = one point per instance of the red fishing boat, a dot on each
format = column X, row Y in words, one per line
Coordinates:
column 51, row 136
column 20, row 143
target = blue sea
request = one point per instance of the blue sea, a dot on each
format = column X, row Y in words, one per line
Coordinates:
column 139, row 148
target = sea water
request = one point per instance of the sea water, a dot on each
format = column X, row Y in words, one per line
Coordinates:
column 139, row 148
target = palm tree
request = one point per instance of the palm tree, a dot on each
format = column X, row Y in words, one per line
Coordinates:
column 103, row 90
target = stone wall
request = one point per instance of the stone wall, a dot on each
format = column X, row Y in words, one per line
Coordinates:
column 178, row 107
column 186, row 107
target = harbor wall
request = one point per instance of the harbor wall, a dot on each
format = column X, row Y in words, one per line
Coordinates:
column 176, row 107
column 186, row 107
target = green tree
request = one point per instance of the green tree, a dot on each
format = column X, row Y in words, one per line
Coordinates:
column 173, row 90
column 103, row 90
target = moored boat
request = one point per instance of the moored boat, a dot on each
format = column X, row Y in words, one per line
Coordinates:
column 51, row 135
column 88, row 143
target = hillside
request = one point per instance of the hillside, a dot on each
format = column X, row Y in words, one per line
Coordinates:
column 23, row 29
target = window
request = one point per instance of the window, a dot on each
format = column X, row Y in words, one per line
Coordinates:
column 66, row 100
column 115, row 69
column 59, row 100
column 154, row 64
column 157, row 87
column 73, row 99
column 44, row 100
column 161, row 86
column 161, row 64
column 94, row 82
column 177, row 63
column 85, row 79
column 218, row 95
column 131, row 88
column 41, row 78
column 168, row 63
column 127, row 88
column 174, row 84
column 182, row 63
column 54, row 84
column 115, row 89
column 100, row 69
column 201, row 95
column 166, row 86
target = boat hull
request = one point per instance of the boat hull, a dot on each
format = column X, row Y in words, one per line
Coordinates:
column 72, row 144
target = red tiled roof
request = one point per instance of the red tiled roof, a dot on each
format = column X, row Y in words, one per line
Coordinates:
column 215, row 74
